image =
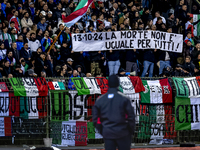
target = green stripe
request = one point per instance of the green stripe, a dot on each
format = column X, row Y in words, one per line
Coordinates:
column 145, row 96
column 90, row 130
column 59, row 105
column 181, row 87
column 19, row 89
column 180, row 113
column 61, row 85
column 24, row 107
column 198, row 26
column 81, row 4
column 81, row 86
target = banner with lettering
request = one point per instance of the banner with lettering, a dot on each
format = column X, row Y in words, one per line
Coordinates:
column 187, row 87
column 134, row 39
column 156, row 92
column 29, row 86
column 86, row 85
column 187, row 113
column 24, row 107
column 5, row 126
column 66, row 106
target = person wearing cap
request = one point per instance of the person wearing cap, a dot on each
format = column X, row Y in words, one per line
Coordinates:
column 114, row 118
column 50, row 20
column 69, row 65
column 26, row 21
column 38, row 17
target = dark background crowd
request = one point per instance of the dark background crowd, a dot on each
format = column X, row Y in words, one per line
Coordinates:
column 28, row 29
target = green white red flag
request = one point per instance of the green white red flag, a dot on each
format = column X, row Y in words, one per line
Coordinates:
column 80, row 10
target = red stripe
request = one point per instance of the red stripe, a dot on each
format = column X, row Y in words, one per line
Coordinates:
column 42, row 86
column 81, row 133
column 51, row 86
column 77, row 13
column 14, row 105
column 42, row 106
column 7, row 126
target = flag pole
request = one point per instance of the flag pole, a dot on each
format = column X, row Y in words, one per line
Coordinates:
column 56, row 39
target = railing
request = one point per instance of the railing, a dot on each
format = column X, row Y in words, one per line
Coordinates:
column 40, row 117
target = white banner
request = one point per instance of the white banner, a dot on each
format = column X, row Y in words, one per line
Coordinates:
column 135, row 39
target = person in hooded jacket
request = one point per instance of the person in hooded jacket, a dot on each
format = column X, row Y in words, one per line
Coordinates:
column 116, row 116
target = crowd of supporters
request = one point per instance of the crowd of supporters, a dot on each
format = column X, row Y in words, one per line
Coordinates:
column 29, row 27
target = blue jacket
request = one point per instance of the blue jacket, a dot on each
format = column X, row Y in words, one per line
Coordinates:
column 19, row 45
column 70, row 83
column 42, row 26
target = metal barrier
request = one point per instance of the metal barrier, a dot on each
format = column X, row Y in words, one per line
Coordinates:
column 40, row 117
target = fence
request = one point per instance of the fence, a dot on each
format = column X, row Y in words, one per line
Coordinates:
column 66, row 116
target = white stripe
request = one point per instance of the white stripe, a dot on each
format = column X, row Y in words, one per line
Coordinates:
column 56, row 85
column 68, row 131
column 126, row 85
column 92, row 85
column 155, row 92
column 193, row 87
column 71, row 23
column 157, row 128
column 30, row 87
column 4, row 104
column 33, row 115
column 195, row 18
column 195, row 125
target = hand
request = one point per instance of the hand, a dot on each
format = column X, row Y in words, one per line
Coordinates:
column 20, row 71
column 45, row 67
column 29, row 58
column 70, row 72
column 64, row 13
column 111, row 51
column 72, row 51
column 196, row 70
column 155, row 50
column 134, row 50
column 81, row 52
column 1, row 69
column 188, row 14
column 11, row 64
column 102, row 58
column 73, row 86
column 99, row 52
column 177, row 20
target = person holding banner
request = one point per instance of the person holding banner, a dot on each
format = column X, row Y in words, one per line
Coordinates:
column 116, row 116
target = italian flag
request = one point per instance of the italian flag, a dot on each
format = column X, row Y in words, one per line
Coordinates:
column 74, row 133
column 5, row 126
column 78, row 13
column 187, row 113
column 56, row 85
column 103, row 84
column 30, row 87
column 129, row 85
column 86, row 85
column 196, row 17
column 156, row 92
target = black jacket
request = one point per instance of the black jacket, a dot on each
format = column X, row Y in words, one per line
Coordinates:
column 114, row 56
column 112, row 113
column 149, row 55
column 131, row 55
column 24, row 54
column 16, row 55
column 39, row 66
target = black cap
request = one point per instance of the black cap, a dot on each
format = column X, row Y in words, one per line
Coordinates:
column 113, row 81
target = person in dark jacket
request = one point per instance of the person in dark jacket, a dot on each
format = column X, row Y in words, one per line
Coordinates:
column 15, row 52
column 149, row 60
column 65, row 52
column 39, row 64
column 196, row 51
column 26, row 53
column 197, row 66
column 116, row 116
column 131, row 60
column 113, row 61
